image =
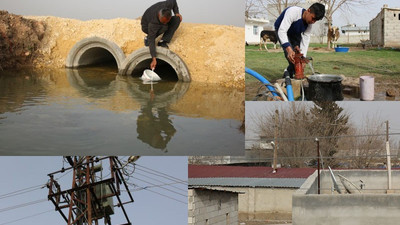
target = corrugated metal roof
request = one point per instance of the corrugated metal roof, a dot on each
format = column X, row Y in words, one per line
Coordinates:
column 213, row 188
column 248, row 182
column 207, row 171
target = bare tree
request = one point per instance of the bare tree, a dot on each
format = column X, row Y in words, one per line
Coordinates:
column 275, row 7
column 347, row 6
column 293, row 122
column 251, row 8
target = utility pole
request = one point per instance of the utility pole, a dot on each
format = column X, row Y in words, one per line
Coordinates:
column 388, row 161
column 276, row 141
column 318, row 156
column 90, row 198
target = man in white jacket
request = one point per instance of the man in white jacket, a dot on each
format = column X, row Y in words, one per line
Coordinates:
column 293, row 29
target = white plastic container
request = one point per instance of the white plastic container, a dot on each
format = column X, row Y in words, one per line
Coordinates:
column 367, row 88
column 149, row 75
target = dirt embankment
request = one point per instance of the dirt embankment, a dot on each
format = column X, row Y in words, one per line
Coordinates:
column 20, row 38
column 213, row 53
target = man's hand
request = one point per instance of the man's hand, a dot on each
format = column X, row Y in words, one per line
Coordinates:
column 153, row 63
column 297, row 49
column 179, row 15
column 290, row 54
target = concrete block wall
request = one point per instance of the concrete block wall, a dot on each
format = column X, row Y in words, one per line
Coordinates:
column 392, row 27
column 385, row 28
column 372, row 206
column 212, row 207
column 343, row 39
column 375, row 27
column 346, row 209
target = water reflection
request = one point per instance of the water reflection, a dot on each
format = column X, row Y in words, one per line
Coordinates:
column 154, row 125
column 91, row 83
column 67, row 111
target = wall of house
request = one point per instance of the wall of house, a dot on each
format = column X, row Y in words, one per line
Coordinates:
column 264, row 203
column 375, row 27
column 206, row 207
column 250, row 37
column 385, row 28
column 392, row 28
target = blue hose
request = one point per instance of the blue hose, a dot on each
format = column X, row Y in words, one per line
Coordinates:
column 262, row 79
column 289, row 89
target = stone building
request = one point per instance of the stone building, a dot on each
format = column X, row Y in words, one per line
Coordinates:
column 209, row 206
column 385, row 27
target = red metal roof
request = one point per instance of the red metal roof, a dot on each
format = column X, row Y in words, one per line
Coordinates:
column 205, row 171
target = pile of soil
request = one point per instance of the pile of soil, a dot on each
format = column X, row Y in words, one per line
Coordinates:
column 19, row 40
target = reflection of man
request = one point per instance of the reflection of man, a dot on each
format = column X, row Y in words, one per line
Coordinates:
column 293, row 28
column 155, row 130
column 158, row 20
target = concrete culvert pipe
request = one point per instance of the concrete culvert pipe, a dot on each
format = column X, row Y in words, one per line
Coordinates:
column 169, row 65
column 94, row 50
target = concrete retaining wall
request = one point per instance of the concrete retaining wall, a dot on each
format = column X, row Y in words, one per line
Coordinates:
column 372, row 206
column 208, row 207
column 346, row 209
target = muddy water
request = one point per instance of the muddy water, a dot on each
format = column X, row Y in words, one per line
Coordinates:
column 95, row 111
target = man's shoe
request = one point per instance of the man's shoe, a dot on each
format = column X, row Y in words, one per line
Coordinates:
column 146, row 42
column 163, row 44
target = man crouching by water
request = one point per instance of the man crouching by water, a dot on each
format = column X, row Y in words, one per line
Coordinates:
column 158, row 20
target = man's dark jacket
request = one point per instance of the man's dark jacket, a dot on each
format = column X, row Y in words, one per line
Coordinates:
column 152, row 26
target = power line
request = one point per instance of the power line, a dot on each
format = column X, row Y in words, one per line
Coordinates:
column 27, row 217
column 182, row 182
column 157, row 173
column 319, row 137
column 162, row 187
column 22, row 205
column 22, row 191
column 144, row 188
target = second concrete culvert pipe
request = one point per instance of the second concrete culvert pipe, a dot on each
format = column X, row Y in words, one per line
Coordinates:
column 166, row 60
column 95, row 50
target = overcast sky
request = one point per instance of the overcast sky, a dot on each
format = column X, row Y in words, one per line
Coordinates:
column 362, row 15
column 149, row 208
column 358, row 111
column 225, row 12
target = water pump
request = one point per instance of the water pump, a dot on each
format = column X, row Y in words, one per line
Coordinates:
column 299, row 64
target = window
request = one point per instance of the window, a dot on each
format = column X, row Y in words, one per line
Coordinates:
column 255, row 30
column 399, row 16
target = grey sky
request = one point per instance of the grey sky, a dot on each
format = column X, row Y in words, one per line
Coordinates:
column 149, row 208
column 358, row 111
column 362, row 15
column 223, row 12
